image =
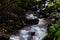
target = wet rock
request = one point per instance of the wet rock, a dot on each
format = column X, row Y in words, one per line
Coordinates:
column 3, row 38
column 32, row 22
column 32, row 33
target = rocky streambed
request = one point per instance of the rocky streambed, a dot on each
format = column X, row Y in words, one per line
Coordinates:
column 36, row 31
column 33, row 32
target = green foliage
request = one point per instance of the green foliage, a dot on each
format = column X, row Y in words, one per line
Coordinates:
column 38, row 0
column 58, row 33
column 57, row 15
column 58, row 38
column 56, row 1
column 54, row 29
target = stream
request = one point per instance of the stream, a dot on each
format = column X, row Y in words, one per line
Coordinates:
column 35, row 31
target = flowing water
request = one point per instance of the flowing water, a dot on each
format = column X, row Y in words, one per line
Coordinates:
column 33, row 32
column 39, row 31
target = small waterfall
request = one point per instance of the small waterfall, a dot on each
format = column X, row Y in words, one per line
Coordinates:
column 25, row 34
column 33, row 32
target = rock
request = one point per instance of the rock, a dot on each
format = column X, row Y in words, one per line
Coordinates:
column 32, row 21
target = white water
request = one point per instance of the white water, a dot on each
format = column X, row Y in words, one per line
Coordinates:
column 39, row 29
